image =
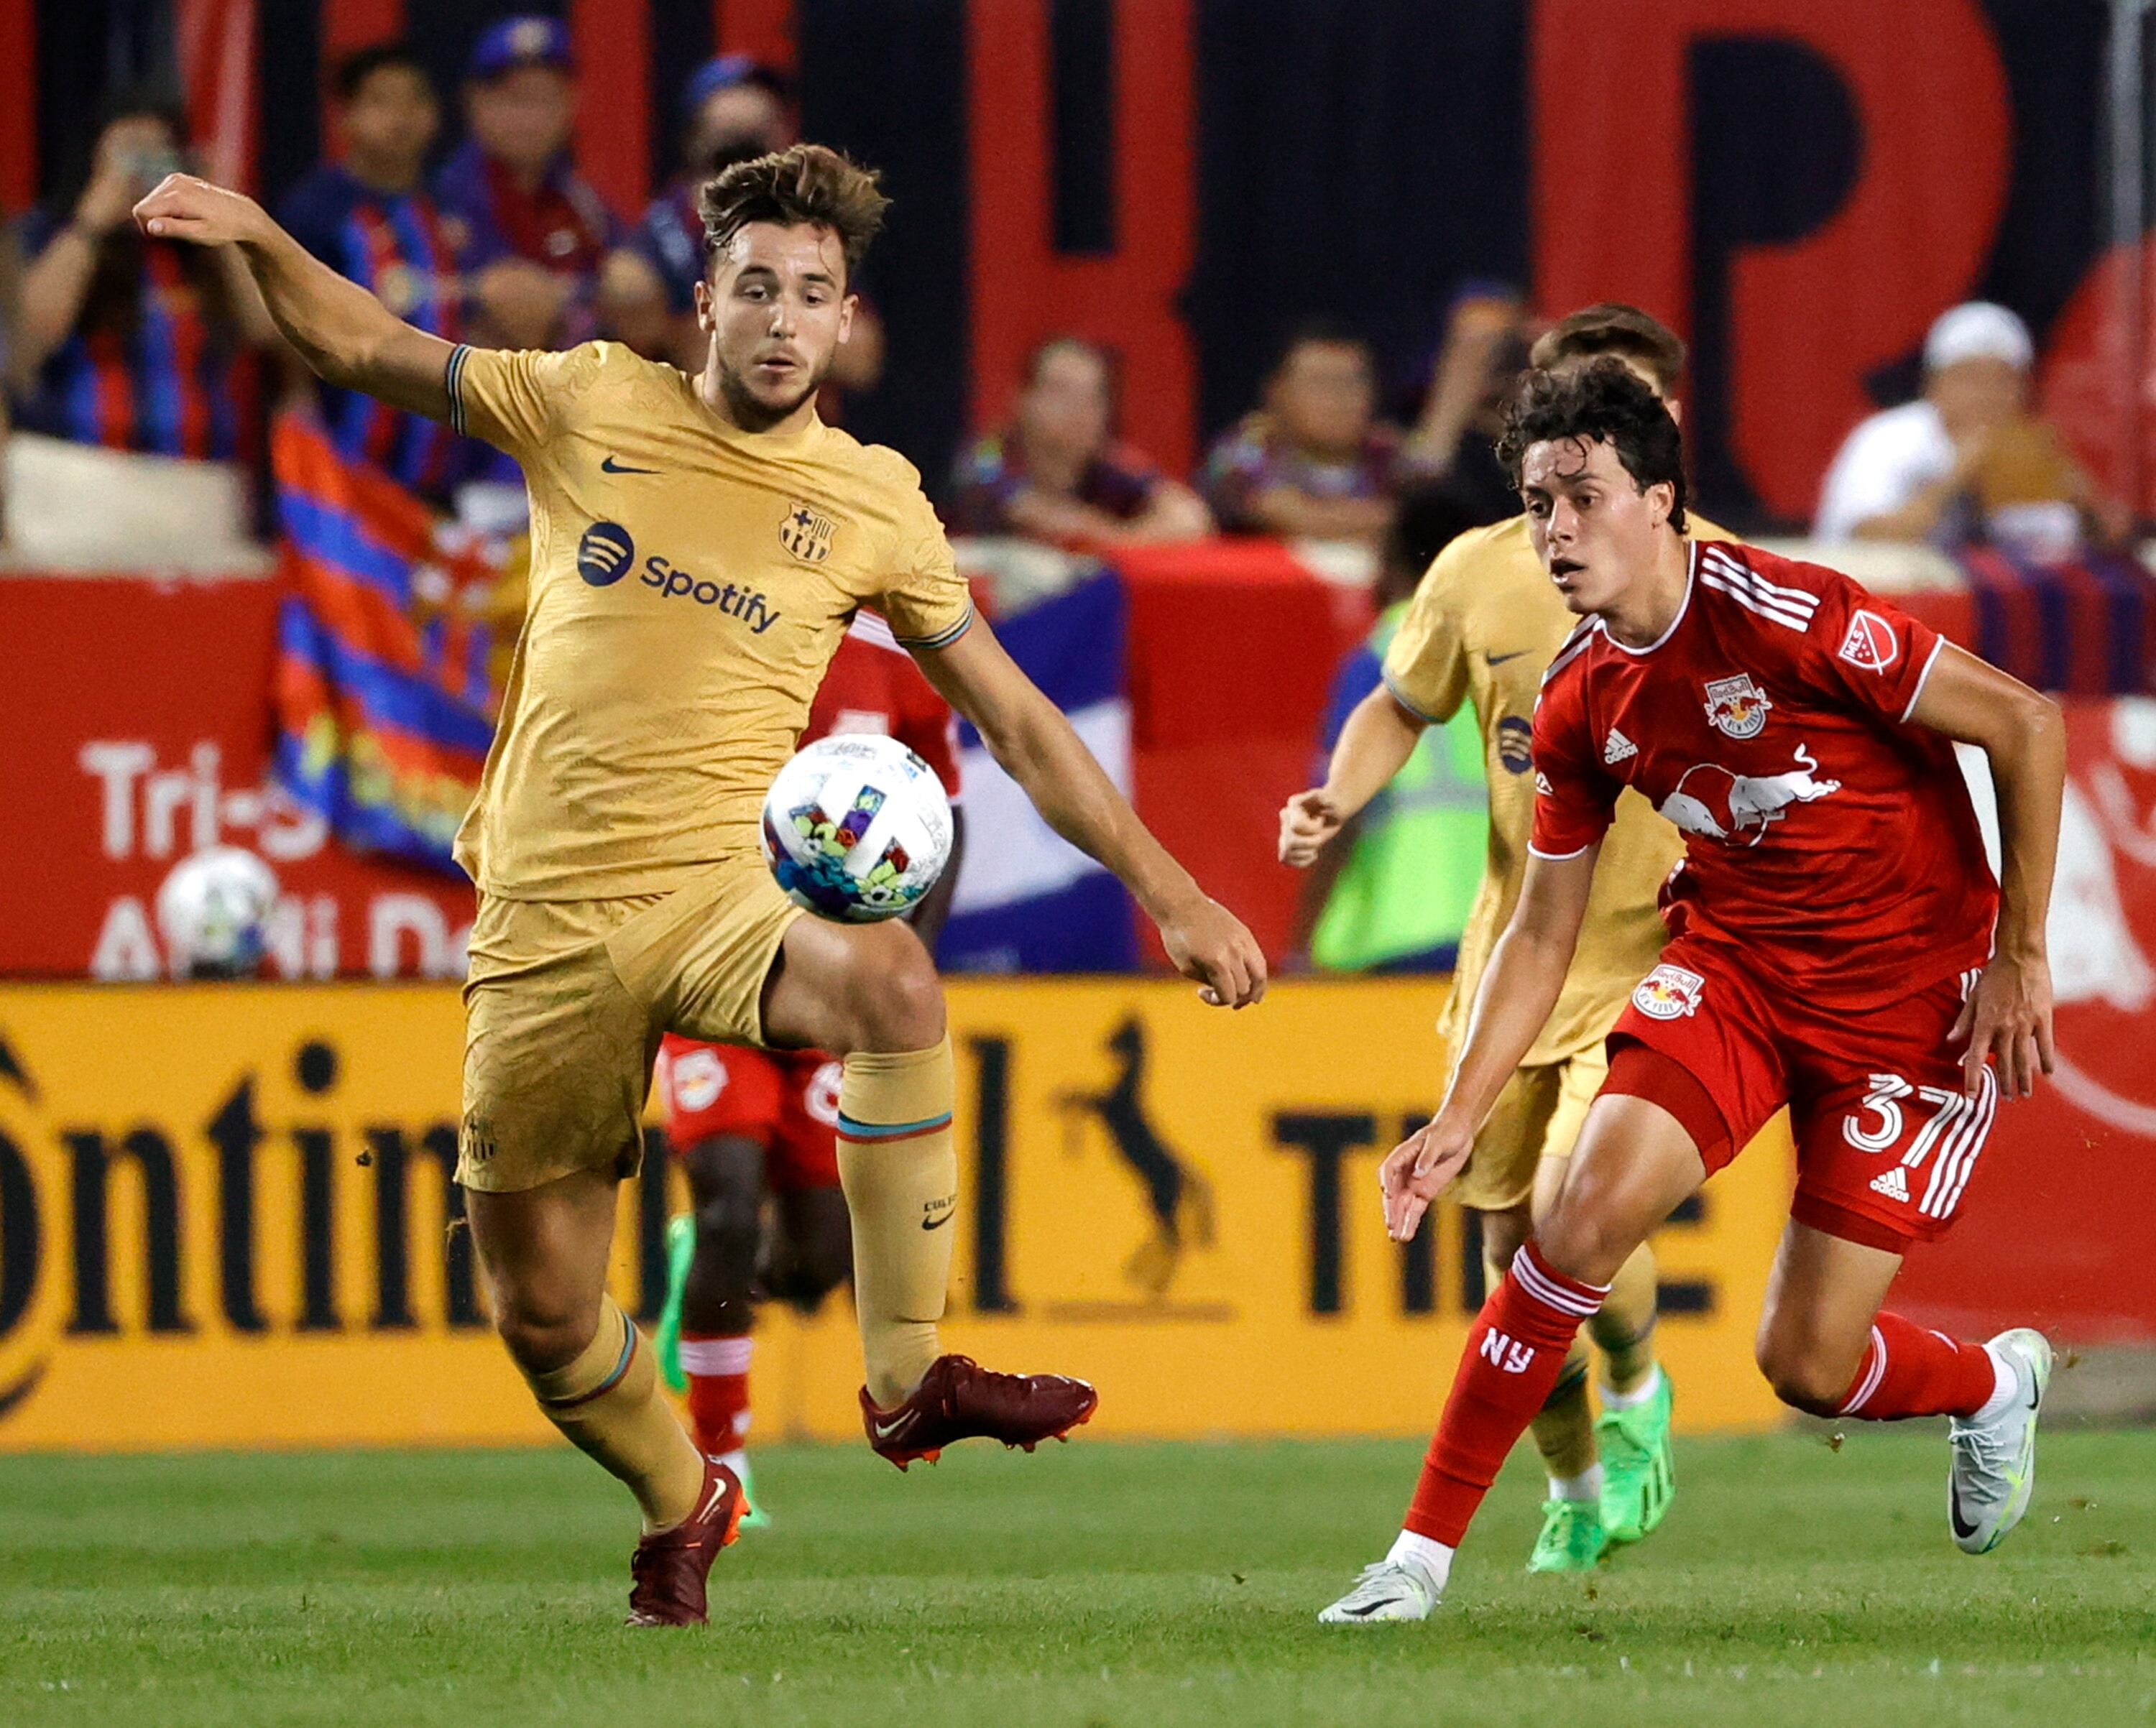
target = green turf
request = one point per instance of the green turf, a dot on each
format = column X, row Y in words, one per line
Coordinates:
column 1096, row 1584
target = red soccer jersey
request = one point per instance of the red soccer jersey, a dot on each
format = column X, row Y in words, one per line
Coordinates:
column 872, row 685
column 1827, row 841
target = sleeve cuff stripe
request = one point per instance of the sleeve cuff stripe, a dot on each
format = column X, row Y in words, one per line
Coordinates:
column 452, row 381
column 1923, row 678
column 1534, row 851
column 1407, row 702
column 941, row 639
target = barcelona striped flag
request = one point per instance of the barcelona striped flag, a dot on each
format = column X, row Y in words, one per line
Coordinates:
column 383, row 710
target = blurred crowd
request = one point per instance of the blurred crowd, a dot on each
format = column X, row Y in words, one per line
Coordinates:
column 153, row 348
column 141, row 348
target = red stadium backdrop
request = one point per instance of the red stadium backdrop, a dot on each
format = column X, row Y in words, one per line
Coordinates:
column 2057, row 1226
column 138, row 730
column 138, row 726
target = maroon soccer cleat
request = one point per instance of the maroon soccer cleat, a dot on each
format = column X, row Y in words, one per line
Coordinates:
column 958, row 1399
column 669, row 1566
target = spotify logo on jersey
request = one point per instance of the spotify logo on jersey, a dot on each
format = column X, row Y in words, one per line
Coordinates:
column 604, row 554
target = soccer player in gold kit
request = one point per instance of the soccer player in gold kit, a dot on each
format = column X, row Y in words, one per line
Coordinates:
column 699, row 546
column 1483, row 627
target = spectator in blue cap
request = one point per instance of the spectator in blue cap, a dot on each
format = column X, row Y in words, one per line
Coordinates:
column 734, row 109
column 515, row 188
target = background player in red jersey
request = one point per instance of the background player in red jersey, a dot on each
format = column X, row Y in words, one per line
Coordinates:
column 1838, row 945
column 745, row 1124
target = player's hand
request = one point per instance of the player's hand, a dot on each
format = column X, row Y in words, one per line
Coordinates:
column 182, row 207
column 1208, row 942
column 1307, row 821
column 1417, row 1171
column 2008, row 1019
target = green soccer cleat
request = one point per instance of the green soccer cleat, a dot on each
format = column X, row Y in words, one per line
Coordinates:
column 755, row 1518
column 1573, row 1538
column 1639, row 1476
column 666, row 1338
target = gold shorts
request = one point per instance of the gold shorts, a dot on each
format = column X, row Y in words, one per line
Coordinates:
column 1537, row 1116
column 565, row 1002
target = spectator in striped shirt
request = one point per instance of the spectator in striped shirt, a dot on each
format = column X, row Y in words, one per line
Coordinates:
column 369, row 216
column 129, row 342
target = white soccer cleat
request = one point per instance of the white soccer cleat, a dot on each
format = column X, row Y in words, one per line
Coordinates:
column 1995, row 1462
column 1384, row 1592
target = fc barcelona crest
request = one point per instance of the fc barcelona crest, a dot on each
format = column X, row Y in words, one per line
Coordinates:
column 806, row 535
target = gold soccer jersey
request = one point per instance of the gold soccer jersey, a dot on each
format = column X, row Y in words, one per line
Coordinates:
column 1483, row 628
column 689, row 583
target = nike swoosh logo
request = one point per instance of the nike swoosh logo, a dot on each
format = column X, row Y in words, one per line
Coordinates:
column 1962, row 1527
column 712, row 1505
column 1499, row 660
column 611, row 466
column 889, row 1430
column 938, row 1224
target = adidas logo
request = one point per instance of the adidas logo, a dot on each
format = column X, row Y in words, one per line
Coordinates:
column 1618, row 748
column 1893, row 1185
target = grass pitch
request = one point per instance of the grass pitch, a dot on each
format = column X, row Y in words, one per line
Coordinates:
column 1098, row 1584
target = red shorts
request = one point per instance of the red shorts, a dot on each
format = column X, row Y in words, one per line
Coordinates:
column 1885, row 1140
column 787, row 1100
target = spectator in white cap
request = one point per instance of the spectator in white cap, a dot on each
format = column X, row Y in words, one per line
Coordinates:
column 1966, row 461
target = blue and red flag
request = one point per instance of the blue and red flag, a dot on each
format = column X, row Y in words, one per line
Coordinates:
column 383, row 710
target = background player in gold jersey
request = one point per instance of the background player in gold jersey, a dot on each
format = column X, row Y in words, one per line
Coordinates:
column 1483, row 628
column 699, row 546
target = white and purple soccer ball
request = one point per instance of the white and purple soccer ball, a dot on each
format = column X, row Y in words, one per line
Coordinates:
column 856, row 828
column 214, row 912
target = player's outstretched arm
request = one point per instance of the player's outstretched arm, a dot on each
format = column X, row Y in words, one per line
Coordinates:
column 1028, row 735
column 1519, row 987
column 343, row 332
column 2008, row 1016
column 1374, row 744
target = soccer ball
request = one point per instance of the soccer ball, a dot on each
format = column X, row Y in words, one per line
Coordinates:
column 213, row 909
column 856, row 828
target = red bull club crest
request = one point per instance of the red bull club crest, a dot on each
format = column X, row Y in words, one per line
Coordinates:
column 1737, row 706
column 1669, row 993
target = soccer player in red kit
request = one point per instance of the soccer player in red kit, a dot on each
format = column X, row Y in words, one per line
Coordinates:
column 1837, row 944
column 746, row 1123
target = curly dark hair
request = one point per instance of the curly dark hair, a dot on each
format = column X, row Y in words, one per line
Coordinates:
column 1599, row 400
column 804, row 184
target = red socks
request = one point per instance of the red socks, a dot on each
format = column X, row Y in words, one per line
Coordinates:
column 1909, row 1370
column 718, row 1391
column 1514, row 1355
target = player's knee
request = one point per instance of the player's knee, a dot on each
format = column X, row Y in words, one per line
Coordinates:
column 542, row 1334
column 1804, row 1378
column 1573, row 1241
column 902, row 1007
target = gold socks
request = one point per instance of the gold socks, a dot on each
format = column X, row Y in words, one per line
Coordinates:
column 607, row 1401
column 900, row 1172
